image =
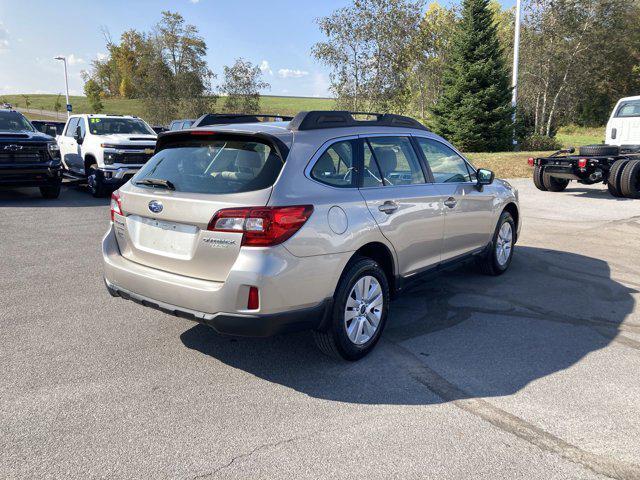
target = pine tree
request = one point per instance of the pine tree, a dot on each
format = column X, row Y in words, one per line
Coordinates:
column 474, row 111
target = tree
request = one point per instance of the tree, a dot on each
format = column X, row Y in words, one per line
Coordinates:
column 474, row 111
column 92, row 90
column 57, row 106
column 242, row 84
column 368, row 49
column 431, row 53
column 27, row 101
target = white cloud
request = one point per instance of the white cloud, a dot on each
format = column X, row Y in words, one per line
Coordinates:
column 288, row 73
column 4, row 39
column 73, row 60
column 265, row 68
column 194, row 1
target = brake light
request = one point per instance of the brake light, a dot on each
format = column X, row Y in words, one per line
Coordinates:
column 116, row 206
column 582, row 162
column 253, row 303
column 261, row 226
column 530, row 161
column 202, row 132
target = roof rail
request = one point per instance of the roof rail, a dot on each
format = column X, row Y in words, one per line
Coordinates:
column 318, row 119
column 229, row 118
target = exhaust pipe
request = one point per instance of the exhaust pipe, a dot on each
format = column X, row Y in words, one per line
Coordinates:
column 596, row 176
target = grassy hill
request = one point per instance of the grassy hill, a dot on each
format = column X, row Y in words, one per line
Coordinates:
column 268, row 104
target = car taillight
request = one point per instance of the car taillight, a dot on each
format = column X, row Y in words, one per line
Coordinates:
column 530, row 161
column 116, row 206
column 261, row 226
column 582, row 162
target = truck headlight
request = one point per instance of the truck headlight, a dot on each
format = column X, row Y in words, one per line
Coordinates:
column 109, row 158
column 54, row 150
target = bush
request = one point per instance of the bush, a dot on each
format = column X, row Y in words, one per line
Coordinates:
column 538, row 143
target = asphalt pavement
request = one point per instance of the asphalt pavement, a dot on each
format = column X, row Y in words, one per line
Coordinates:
column 532, row 375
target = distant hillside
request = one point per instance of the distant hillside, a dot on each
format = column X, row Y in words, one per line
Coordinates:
column 268, row 104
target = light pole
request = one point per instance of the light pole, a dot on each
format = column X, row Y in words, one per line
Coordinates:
column 514, row 82
column 66, row 80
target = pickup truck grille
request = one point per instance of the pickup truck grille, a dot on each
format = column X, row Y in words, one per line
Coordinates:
column 132, row 158
column 21, row 153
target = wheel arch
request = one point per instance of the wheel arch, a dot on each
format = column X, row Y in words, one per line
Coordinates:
column 513, row 209
column 381, row 254
column 89, row 159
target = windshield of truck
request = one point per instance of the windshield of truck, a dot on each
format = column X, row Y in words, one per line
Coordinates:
column 14, row 122
column 213, row 167
column 630, row 108
column 109, row 126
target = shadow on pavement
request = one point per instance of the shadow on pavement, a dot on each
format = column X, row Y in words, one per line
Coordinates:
column 491, row 336
column 70, row 196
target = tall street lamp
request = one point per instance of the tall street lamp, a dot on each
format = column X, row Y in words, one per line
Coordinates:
column 516, row 57
column 66, row 81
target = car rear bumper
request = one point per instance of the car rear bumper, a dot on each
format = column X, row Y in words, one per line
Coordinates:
column 294, row 292
column 30, row 175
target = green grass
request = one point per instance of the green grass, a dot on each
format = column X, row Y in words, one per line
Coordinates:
column 574, row 136
column 268, row 104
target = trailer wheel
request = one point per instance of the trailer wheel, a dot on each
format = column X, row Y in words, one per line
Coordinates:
column 554, row 184
column 599, row 150
column 630, row 180
column 538, row 171
column 615, row 175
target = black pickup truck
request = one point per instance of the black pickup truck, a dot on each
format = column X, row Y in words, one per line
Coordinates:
column 28, row 158
column 616, row 167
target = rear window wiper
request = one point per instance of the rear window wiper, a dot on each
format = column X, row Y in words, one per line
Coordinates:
column 156, row 182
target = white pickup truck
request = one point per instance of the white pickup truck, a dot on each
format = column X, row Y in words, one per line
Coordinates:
column 106, row 150
column 623, row 128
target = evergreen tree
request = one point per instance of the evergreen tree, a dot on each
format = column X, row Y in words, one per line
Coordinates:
column 474, row 111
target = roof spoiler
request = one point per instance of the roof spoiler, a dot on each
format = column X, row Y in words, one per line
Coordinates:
column 319, row 119
column 230, row 118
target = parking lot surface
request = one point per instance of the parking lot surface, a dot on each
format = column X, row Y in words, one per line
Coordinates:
column 533, row 375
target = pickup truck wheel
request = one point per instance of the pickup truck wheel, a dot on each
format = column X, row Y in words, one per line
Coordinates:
column 94, row 182
column 498, row 258
column 51, row 191
column 538, row 172
column 630, row 180
column 599, row 150
column 554, row 184
column 359, row 312
column 615, row 175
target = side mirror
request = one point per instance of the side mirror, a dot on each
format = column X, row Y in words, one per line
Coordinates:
column 78, row 136
column 485, row 177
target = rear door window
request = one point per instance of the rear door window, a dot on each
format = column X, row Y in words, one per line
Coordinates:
column 335, row 166
column 214, row 167
column 397, row 160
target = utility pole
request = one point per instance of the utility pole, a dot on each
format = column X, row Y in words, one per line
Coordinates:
column 66, row 82
column 514, row 83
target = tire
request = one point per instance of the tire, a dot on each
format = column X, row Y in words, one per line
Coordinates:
column 335, row 340
column 599, row 150
column 554, row 184
column 630, row 180
column 615, row 175
column 538, row 173
column 51, row 191
column 95, row 184
column 492, row 263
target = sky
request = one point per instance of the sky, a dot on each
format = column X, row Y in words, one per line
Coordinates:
column 276, row 34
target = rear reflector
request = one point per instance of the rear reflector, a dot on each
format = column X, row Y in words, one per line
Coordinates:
column 253, row 303
column 582, row 162
column 116, row 206
column 261, row 226
column 530, row 161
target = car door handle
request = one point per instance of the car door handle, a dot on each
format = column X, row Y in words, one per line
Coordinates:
column 388, row 207
column 450, row 202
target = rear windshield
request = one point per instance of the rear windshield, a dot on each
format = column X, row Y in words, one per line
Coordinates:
column 629, row 109
column 215, row 167
column 108, row 126
column 14, row 122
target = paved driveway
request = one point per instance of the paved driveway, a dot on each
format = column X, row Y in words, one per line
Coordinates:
column 533, row 375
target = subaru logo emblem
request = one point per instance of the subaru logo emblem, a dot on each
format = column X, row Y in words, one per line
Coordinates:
column 155, row 206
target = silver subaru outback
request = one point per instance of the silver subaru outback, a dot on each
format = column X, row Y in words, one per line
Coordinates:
column 260, row 228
